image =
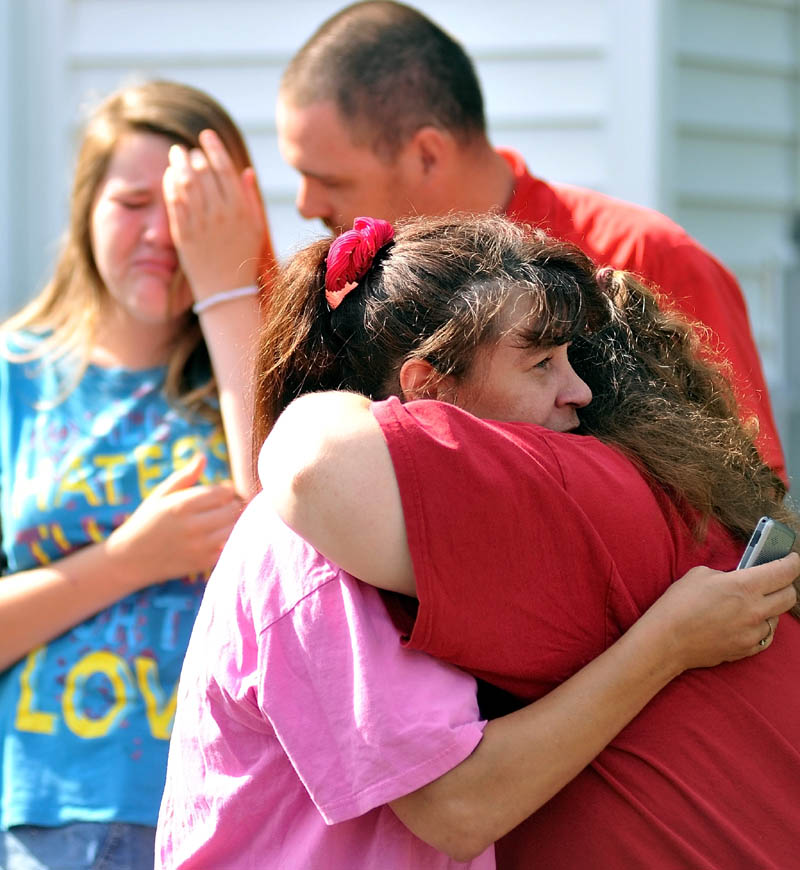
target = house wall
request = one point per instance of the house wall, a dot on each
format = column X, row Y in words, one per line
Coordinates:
column 733, row 167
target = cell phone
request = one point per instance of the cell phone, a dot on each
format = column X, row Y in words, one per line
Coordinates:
column 770, row 540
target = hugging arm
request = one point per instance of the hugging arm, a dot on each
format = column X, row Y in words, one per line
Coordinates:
column 328, row 471
column 333, row 482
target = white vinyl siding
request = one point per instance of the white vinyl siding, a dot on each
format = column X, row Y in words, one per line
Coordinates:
column 734, row 176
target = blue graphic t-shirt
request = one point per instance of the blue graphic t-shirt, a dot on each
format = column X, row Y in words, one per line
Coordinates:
column 85, row 720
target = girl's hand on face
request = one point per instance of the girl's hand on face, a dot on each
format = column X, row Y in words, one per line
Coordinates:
column 216, row 217
column 717, row 616
column 178, row 530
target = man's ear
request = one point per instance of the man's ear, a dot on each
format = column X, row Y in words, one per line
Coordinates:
column 430, row 149
column 420, row 380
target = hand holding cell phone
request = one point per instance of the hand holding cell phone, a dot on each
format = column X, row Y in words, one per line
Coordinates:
column 770, row 540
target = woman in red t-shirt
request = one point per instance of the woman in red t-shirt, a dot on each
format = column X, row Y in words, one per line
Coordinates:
column 533, row 549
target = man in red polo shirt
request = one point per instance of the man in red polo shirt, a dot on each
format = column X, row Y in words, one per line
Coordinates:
column 381, row 113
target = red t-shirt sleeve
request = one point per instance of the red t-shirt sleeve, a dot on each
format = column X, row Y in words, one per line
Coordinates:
column 512, row 578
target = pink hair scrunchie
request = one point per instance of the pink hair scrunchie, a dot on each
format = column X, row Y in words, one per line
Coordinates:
column 351, row 255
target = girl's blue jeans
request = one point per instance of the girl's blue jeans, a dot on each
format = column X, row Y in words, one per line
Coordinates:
column 79, row 846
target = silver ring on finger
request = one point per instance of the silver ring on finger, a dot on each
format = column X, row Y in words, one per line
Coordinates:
column 765, row 640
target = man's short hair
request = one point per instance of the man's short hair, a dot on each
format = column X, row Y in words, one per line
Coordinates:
column 390, row 71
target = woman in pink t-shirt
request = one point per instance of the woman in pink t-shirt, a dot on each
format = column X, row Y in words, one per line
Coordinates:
column 295, row 692
column 481, row 314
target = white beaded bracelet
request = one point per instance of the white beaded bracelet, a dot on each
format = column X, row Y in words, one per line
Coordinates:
column 224, row 296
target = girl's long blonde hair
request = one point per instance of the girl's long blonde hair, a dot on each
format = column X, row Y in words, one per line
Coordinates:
column 61, row 322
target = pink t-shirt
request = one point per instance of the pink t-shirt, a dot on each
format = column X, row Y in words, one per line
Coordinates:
column 300, row 716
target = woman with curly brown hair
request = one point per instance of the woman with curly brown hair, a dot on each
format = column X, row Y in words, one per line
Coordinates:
column 542, row 539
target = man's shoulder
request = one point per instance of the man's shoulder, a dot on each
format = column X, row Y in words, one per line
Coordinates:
column 592, row 209
column 619, row 233
column 577, row 195
column 609, row 229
